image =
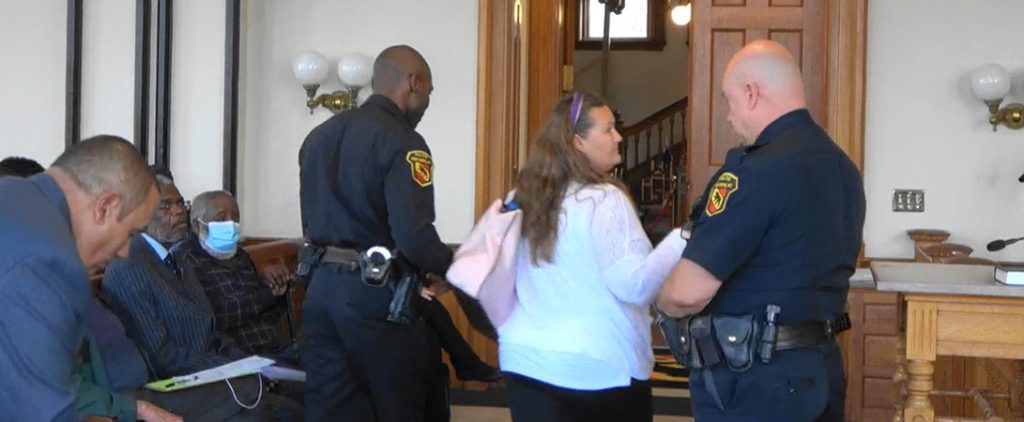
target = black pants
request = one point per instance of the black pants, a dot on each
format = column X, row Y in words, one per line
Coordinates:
column 532, row 400
column 440, row 324
column 799, row 385
column 359, row 367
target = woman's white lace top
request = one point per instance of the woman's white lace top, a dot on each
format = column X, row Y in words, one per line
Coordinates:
column 583, row 321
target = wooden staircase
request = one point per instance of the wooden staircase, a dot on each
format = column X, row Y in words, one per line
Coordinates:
column 654, row 168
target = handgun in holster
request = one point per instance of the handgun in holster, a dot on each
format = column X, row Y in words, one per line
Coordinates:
column 309, row 258
column 406, row 285
column 677, row 336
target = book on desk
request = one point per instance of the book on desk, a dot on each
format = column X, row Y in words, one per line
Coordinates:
column 1011, row 275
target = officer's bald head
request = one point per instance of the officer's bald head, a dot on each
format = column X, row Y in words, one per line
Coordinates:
column 762, row 82
column 403, row 75
column 394, row 64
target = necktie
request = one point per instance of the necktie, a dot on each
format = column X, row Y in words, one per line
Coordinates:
column 169, row 261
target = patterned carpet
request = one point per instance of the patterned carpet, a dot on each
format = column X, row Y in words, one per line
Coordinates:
column 667, row 373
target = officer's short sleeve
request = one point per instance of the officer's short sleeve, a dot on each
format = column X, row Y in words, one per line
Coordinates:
column 741, row 204
column 409, row 192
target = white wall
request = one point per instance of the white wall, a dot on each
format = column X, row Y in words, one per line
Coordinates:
column 274, row 119
column 639, row 82
column 197, row 96
column 108, row 68
column 925, row 130
column 32, row 78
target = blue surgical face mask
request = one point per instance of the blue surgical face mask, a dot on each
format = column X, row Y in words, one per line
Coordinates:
column 222, row 236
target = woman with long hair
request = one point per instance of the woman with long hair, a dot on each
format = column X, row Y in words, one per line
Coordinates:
column 578, row 345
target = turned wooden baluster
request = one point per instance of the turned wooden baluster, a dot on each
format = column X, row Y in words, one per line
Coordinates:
column 899, row 378
column 921, row 339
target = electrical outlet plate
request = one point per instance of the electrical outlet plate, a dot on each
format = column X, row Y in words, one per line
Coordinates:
column 908, row 200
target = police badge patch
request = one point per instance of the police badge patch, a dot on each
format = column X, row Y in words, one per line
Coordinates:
column 726, row 184
column 421, row 166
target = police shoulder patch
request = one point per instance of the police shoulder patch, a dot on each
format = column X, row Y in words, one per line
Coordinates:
column 718, row 198
column 421, row 166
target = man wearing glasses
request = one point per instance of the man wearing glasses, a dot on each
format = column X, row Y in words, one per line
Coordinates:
column 166, row 310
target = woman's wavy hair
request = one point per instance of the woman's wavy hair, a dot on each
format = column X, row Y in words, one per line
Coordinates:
column 553, row 164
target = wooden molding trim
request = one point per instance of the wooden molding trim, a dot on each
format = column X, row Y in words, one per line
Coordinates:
column 546, row 22
column 847, row 45
column 499, row 55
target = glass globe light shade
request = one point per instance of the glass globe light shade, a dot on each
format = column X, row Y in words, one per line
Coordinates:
column 310, row 68
column 355, row 69
column 681, row 14
column 990, row 82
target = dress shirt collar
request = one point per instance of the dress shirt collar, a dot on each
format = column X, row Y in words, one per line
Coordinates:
column 160, row 250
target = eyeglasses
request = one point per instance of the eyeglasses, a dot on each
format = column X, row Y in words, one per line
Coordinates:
column 180, row 203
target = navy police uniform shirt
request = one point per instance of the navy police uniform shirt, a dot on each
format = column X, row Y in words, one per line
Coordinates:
column 366, row 179
column 780, row 223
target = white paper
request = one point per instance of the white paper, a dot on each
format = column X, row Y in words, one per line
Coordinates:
column 280, row 373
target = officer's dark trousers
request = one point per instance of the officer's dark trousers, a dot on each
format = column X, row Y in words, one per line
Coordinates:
column 359, row 367
column 532, row 400
column 799, row 385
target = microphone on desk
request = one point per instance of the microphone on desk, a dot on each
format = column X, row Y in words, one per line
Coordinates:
column 999, row 244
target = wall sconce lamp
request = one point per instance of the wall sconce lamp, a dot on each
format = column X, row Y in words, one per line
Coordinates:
column 354, row 70
column 681, row 13
column 990, row 84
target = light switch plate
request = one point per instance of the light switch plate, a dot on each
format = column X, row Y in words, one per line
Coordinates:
column 908, row 200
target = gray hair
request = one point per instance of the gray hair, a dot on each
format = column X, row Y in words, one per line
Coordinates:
column 202, row 208
column 162, row 181
column 108, row 163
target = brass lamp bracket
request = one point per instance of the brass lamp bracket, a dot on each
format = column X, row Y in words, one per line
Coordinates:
column 336, row 101
column 1011, row 115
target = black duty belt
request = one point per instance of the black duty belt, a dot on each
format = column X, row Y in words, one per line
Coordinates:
column 810, row 333
column 345, row 258
column 802, row 335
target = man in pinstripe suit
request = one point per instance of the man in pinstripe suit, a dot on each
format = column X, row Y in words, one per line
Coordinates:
column 164, row 307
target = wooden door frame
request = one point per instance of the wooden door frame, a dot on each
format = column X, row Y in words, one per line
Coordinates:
column 847, row 70
column 502, row 131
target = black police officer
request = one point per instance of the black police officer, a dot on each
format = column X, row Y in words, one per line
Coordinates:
column 366, row 180
column 780, row 224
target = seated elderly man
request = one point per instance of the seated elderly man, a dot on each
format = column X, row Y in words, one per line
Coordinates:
column 163, row 305
column 248, row 305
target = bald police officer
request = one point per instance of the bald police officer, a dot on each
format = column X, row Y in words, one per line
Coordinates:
column 775, row 237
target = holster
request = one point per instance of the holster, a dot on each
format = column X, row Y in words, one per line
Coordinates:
column 309, row 259
column 406, row 284
column 704, row 341
column 738, row 338
column 677, row 336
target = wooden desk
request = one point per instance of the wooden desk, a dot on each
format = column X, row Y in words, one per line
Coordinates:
column 942, row 320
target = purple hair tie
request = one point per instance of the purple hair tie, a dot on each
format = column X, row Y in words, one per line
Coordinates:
column 574, row 109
